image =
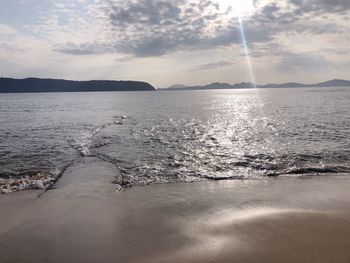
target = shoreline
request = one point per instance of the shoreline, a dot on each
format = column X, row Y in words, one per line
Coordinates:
column 84, row 219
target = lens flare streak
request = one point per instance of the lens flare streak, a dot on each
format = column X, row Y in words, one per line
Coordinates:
column 246, row 52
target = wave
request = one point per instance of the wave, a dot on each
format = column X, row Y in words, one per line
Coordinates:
column 182, row 152
column 15, row 184
column 258, row 167
column 145, row 176
column 30, row 180
column 132, row 174
column 314, row 170
column 46, row 178
column 84, row 142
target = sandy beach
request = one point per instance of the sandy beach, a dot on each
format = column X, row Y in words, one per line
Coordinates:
column 84, row 219
column 174, row 131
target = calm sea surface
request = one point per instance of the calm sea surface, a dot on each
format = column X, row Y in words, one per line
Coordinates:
column 175, row 136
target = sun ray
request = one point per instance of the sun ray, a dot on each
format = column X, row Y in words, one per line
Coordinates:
column 246, row 51
column 240, row 9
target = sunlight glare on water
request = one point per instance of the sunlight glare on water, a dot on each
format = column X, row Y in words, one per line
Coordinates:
column 186, row 136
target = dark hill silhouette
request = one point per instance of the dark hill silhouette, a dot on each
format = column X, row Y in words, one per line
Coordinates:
column 245, row 85
column 9, row 85
column 335, row 83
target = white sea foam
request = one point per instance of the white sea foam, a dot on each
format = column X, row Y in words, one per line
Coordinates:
column 83, row 142
column 12, row 184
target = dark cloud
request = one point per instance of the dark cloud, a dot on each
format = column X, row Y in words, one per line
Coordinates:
column 320, row 28
column 325, row 6
column 147, row 12
column 213, row 65
column 273, row 19
column 85, row 49
column 158, row 27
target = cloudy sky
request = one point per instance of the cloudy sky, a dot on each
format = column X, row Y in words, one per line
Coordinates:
column 169, row 42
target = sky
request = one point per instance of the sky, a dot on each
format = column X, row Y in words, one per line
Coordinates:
column 166, row 42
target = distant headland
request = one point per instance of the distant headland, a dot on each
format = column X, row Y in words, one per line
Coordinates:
column 247, row 85
column 9, row 85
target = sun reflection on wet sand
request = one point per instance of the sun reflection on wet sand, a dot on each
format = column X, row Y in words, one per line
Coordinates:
column 237, row 216
column 232, row 235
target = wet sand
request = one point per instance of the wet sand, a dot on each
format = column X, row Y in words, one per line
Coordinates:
column 84, row 219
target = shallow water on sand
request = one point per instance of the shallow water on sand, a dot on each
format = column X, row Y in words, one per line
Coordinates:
column 179, row 136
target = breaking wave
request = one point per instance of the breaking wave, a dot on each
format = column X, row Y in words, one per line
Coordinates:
column 15, row 184
column 84, row 142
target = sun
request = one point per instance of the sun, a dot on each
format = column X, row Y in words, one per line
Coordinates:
column 238, row 8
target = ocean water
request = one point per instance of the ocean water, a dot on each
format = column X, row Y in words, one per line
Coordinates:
column 175, row 136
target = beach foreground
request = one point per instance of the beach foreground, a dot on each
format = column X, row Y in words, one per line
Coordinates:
column 84, row 219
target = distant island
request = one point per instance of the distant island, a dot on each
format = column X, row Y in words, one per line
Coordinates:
column 247, row 85
column 9, row 85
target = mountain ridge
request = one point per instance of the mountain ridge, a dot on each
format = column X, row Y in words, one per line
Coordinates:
column 35, row 85
column 247, row 85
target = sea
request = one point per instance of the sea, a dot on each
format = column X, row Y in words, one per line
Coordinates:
column 175, row 136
